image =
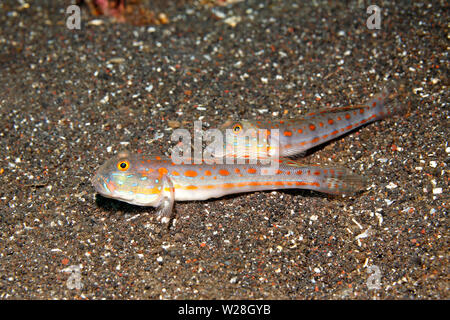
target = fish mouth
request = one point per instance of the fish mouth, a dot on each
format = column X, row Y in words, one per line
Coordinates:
column 99, row 185
column 109, row 189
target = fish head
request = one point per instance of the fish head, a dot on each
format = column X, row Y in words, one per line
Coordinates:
column 128, row 177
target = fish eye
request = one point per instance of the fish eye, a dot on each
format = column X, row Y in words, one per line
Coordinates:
column 123, row 165
column 237, row 128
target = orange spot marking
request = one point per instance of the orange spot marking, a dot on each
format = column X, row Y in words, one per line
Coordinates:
column 315, row 140
column 330, row 121
column 190, row 173
column 287, row 133
column 349, row 127
column 335, row 132
column 175, row 173
column 158, row 158
column 224, row 172
column 347, row 116
column 237, row 170
column 361, row 110
column 317, row 173
column 339, row 118
column 300, row 131
column 374, row 104
column 191, row 187
column 207, row 173
column 162, row 171
column 312, row 127
column 288, row 146
column 251, row 170
column 320, row 124
column 299, row 172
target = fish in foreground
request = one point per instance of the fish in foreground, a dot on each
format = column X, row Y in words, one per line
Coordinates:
column 295, row 136
column 158, row 182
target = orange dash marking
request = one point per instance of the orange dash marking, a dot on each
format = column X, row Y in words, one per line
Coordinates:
column 190, row 173
column 224, row 172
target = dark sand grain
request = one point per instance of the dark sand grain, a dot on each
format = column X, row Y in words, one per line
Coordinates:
column 70, row 99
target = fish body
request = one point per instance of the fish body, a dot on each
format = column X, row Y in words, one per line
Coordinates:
column 295, row 136
column 158, row 182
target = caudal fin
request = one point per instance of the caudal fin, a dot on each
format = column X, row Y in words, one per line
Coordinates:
column 382, row 109
column 345, row 182
column 332, row 180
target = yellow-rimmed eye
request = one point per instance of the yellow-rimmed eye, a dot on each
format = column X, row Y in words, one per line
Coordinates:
column 237, row 128
column 123, row 165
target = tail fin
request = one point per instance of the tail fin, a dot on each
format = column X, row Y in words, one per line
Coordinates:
column 332, row 180
column 345, row 183
column 380, row 108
